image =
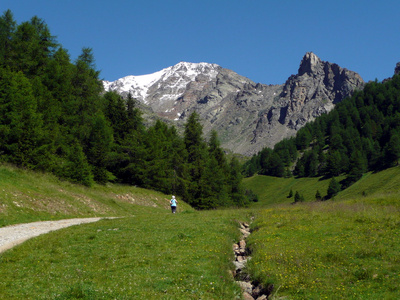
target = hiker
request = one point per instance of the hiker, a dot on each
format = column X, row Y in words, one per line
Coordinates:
column 173, row 203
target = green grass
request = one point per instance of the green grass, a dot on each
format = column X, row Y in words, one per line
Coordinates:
column 152, row 255
column 26, row 196
column 345, row 248
column 274, row 190
column 149, row 253
column 381, row 187
column 331, row 250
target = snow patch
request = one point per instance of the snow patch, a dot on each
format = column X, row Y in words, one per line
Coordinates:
column 175, row 78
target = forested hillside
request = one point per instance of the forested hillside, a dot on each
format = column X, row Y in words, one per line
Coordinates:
column 56, row 117
column 361, row 134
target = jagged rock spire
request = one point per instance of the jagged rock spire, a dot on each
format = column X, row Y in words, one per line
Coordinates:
column 310, row 64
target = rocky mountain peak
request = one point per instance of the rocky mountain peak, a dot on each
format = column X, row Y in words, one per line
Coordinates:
column 310, row 64
column 247, row 116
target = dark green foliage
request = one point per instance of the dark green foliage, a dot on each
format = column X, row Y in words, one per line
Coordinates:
column 7, row 31
column 303, row 138
column 55, row 116
column 252, row 166
column 99, row 146
column 392, row 149
column 334, row 188
column 357, row 166
column 234, row 183
column 251, row 196
column 20, row 122
column 318, row 196
column 298, row 197
column 212, row 182
column 76, row 168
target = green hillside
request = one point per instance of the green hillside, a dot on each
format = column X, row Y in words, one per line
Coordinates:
column 383, row 186
column 27, row 196
column 275, row 190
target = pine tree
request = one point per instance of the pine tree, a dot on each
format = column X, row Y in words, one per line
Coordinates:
column 135, row 120
column 333, row 189
column 77, row 168
column 357, row 166
column 99, row 146
column 116, row 114
column 297, row 197
column 235, row 183
column 303, row 138
column 392, row 149
column 197, row 159
column 7, row 31
column 32, row 47
column 334, row 163
column 318, row 196
column 20, row 123
column 217, row 171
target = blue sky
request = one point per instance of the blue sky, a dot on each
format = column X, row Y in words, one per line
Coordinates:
column 260, row 39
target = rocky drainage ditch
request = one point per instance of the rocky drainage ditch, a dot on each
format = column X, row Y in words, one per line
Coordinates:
column 251, row 290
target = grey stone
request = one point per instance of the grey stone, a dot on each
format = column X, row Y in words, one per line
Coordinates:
column 246, row 286
column 247, row 296
column 245, row 233
column 239, row 265
column 240, row 258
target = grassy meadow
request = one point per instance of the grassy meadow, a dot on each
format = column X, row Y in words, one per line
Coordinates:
column 275, row 190
column 345, row 248
column 151, row 255
column 335, row 250
column 147, row 253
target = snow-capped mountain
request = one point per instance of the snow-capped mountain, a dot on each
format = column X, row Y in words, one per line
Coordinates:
column 172, row 79
column 247, row 116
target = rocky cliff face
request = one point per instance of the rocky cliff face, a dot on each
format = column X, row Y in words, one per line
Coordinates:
column 246, row 115
column 316, row 88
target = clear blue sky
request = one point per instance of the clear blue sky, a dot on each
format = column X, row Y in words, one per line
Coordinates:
column 260, row 39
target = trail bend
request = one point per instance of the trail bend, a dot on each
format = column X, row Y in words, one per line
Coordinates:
column 13, row 235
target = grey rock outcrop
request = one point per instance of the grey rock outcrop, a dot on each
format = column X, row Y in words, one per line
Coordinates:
column 247, row 116
column 315, row 90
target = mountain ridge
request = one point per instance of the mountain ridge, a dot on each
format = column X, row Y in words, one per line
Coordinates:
column 247, row 116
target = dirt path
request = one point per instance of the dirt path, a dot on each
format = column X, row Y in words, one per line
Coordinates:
column 13, row 235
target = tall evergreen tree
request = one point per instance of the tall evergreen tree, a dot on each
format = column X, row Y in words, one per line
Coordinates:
column 7, row 31
column 235, row 183
column 197, row 158
column 217, row 169
column 99, row 147
column 357, row 166
column 392, row 149
column 333, row 189
column 20, row 122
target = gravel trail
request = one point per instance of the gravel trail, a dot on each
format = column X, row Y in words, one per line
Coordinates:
column 13, row 235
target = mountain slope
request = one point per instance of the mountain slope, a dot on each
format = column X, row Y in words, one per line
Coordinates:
column 248, row 116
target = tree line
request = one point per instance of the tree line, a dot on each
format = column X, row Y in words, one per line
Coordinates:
column 361, row 134
column 55, row 116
